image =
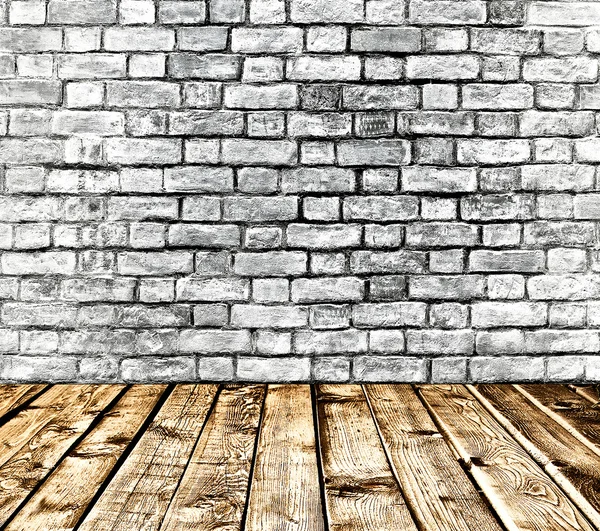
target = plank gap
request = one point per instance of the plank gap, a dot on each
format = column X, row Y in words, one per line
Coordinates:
column 125, row 454
column 72, row 447
column 313, row 400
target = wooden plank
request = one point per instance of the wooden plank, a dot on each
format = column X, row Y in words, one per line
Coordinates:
column 14, row 396
column 138, row 496
column 572, row 464
column 213, row 490
column 439, row 493
column 360, row 490
column 284, row 491
column 524, row 497
column 572, row 411
column 589, row 392
column 22, row 428
column 66, row 494
column 55, row 433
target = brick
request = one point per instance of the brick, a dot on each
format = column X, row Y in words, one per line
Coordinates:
column 559, row 341
column 440, row 234
column 506, row 369
column 444, row 67
column 55, row 315
column 389, row 315
column 436, row 341
column 445, row 12
column 506, row 41
column 387, row 262
column 556, row 123
column 560, row 70
column 142, row 94
column 497, row 207
column 272, row 263
column 194, row 235
column 508, row 314
column 304, row 11
column 281, row 96
column 331, row 369
column 327, row 290
column 366, row 97
column 564, row 287
column 440, row 180
column 376, row 208
column 153, row 369
column 496, row 96
column 559, row 233
column 91, row 66
column 500, row 342
column 143, row 151
column 563, row 13
column 557, row 177
column 323, row 236
column 139, row 39
column 259, row 152
column 373, row 152
column 253, row 369
column 39, row 368
column 101, row 123
column 257, row 316
column 203, row 39
column 323, row 68
column 465, row 287
column 267, row 40
column 390, row 369
column 383, row 39
column 317, row 180
column 501, row 261
column 330, row 342
column 207, row 66
column 154, row 263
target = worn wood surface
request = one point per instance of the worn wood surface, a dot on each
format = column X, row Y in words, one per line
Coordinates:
column 572, row 464
column 285, row 493
column 295, row 458
column 519, row 490
column 138, row 496
column 442, row 496
column 63, row 498
column 212, row 494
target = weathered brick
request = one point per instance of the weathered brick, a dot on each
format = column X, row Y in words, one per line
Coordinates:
column 503, row 314
column 330, row 342
column 327, row 11
column 446, row 287
column 390, row 369
column 447, row 12
column 500, row 261
column 255, row 369
column 272, row 263
column 436, row 341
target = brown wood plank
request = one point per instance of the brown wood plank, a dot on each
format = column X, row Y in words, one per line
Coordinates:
column 213, row 490
column 19, row 430
column 524, row 497
column 572, row 411
column 138, row 496
column 573, row 465
column 441, row 496
column 361, row 491
column 14, row 396
column 65, row 495
column 284, row 491
column 55, row 433
column 589, row 392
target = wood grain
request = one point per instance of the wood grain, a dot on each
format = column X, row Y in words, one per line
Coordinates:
column 54, row 435
column 589, row 392
column 212, row 493
column 439, row 493
column 14, row 396
column 19, row 430
column 572, row 411
column 138, row 496
column 361, row 492
column 567, row 460
column 285, row 493
column 66, row 494
column 522, row 494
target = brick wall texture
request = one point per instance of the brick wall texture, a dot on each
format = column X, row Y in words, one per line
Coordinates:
column 297, row 190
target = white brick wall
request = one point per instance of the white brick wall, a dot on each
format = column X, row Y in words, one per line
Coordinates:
column 299, row 190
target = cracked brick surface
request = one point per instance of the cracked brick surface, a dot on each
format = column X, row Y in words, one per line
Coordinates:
column 299, row 190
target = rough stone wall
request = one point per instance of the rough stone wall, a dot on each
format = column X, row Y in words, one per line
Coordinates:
column 299, row 190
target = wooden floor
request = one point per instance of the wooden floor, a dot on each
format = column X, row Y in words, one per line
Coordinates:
column 296, row 457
